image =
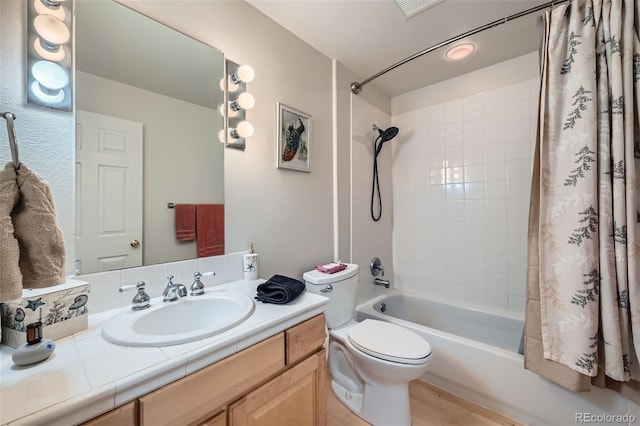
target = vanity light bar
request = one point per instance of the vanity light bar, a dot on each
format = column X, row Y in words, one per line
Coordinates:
column 49, row 54
column 237, row 127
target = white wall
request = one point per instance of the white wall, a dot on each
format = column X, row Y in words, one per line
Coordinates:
column 493, row 77
column 183, row 159
column 369, row 238
column 45, row 137
column 461, row 184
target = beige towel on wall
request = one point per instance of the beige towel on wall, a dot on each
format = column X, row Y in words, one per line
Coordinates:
column 10, row 276
column 42, row 255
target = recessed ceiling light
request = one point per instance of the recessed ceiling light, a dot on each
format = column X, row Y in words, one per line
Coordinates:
column 460, row 51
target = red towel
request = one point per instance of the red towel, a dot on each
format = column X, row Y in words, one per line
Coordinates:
column 210, row 229
column 185, row 222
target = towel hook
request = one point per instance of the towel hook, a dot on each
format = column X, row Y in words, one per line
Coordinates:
column 9, row 117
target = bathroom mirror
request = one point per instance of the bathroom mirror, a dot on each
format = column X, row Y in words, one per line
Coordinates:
column 147, row 127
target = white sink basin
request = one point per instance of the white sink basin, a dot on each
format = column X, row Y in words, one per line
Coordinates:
column 171, row 323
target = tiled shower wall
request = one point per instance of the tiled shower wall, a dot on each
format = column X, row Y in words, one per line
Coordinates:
column 369, row 238
column 461, row 185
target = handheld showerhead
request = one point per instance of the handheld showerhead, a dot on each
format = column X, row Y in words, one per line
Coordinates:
column 384, row 136
column 388, row 134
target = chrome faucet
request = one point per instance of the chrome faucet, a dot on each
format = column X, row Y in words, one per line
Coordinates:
column 376, row 267
column 197, row 288
column 173, row 292
column 141, row 300
column 381, row 282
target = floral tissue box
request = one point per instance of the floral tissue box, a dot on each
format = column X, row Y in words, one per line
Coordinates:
column 62, row 310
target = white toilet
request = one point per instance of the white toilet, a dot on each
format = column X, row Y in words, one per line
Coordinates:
column 371, row 362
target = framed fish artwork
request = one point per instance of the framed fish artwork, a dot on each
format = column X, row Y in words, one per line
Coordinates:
column 294, row 139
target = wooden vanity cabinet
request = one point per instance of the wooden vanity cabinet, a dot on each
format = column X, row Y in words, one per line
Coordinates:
column 196, row 397
column 295, row 397
column 280, row 380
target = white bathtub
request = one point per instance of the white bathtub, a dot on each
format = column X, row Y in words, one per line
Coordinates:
column 475, row 356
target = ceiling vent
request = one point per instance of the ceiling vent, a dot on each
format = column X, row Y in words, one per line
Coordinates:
column 413, row 7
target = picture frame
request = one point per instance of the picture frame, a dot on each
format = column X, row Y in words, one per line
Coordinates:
column 294, row 139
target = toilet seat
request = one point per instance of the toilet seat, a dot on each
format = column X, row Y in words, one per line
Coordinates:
column 389, row 342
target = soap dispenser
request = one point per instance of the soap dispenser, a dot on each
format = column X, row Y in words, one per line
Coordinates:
column 250, row 264
column 36, row 349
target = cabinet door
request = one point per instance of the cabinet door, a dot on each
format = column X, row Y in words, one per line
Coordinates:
column 196, row 397
column 126, row 415
column 219, row 419
column 295, row 397
column 304, row 339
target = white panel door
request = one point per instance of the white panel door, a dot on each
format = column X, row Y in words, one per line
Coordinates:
column 108, row 193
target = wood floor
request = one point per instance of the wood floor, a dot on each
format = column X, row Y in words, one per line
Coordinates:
column 430, row 406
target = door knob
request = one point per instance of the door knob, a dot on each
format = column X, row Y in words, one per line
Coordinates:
column 135, row 243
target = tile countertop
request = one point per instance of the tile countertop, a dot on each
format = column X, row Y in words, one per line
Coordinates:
column 87, row 376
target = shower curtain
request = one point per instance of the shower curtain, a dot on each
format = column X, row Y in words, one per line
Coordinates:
column 583, row 285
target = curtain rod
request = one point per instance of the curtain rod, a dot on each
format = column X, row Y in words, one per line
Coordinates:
column 356, row 87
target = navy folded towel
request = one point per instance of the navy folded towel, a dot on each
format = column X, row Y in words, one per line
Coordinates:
column 279, row 290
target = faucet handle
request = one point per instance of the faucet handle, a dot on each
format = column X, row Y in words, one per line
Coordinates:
column 170, row 278
column 197, row 288
column 139, row 285
column 376, row 267
column 124, row 288
column 141, row 300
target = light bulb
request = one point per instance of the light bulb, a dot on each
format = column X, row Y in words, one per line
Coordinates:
column 244, row 74
column 232, row 86
column 50, row 75
column 230, row 112
column 53, row 8
column 45, row 53
column 222, row 136
column 244, row 130
column 52, row 31
column 45, row 95
column 244, row 101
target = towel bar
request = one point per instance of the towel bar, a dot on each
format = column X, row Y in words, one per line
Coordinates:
column 9, row 117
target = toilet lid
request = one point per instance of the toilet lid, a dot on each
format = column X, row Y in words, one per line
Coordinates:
column 390, row 342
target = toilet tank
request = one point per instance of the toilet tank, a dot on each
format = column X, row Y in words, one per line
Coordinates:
column 340, row 288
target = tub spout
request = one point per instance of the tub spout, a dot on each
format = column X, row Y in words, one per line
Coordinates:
column 381, row 282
